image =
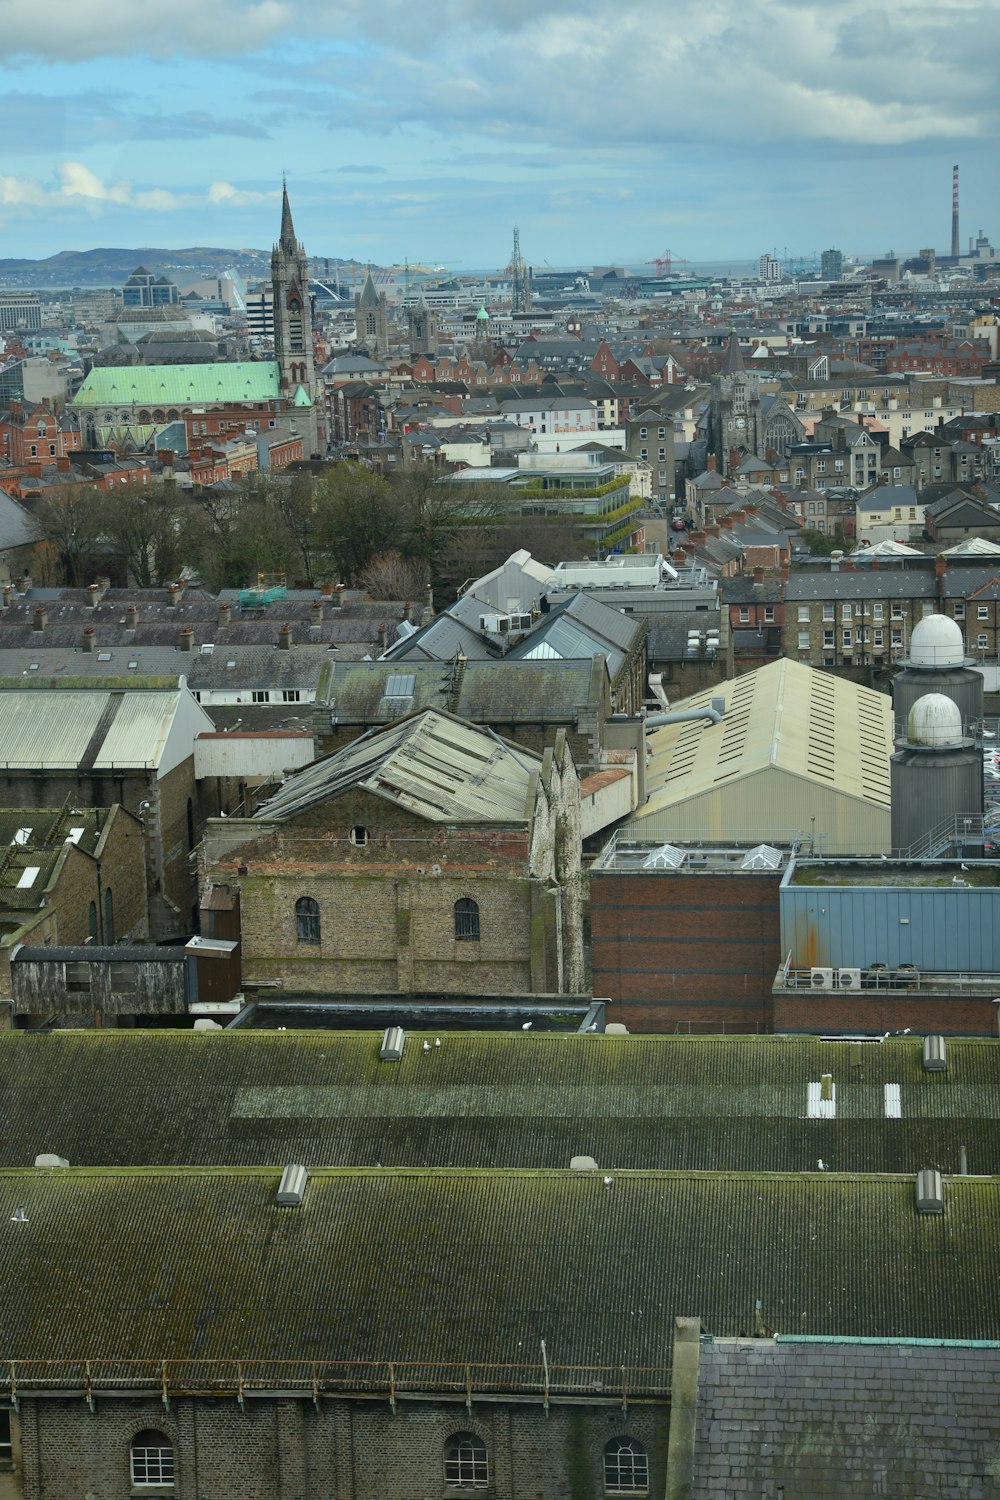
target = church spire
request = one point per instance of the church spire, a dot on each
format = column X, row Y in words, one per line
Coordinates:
column 733, row 364
column 287, row 239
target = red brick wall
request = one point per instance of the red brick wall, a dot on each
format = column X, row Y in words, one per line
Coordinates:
column 675, row 951
column 880, row 1011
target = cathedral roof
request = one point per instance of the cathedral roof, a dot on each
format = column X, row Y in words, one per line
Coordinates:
column 301, row 397
column 287, row 238
column 369, row 296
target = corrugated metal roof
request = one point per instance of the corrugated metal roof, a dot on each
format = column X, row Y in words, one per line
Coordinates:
column 784, row 716
column 52, row 730
column 469, row 1267
column 436, row 766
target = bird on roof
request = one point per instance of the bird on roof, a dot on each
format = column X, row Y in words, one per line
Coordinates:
column 526, row 1026
column 427, row 1046
column 608, row 1181
column 821, row 1165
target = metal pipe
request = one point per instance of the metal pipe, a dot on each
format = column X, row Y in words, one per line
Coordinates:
column 683, row 716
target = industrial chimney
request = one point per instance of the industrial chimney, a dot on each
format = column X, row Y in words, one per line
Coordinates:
column 955, row 250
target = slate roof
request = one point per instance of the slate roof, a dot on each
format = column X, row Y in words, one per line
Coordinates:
column 454, row 1267
column 862, row 583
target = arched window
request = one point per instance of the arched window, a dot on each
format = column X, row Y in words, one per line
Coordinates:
column 109, row 916
column 307, row 920
column 467, row 920
column 92, row 921
column 466, row 1462
column 359, row 836
column 626, row 1467
column 152, row 1458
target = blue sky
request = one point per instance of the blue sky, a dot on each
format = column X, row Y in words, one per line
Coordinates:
column 719, row 128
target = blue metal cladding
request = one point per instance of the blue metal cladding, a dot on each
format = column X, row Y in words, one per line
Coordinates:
column 935, row 928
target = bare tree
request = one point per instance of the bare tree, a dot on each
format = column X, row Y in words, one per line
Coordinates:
column 390, row 575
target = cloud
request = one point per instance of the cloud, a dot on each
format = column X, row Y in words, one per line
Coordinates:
column 225, row 195
column 362, row 171
column 77, row 185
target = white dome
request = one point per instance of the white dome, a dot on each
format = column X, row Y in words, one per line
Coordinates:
column 934, row 720
column 936, row 642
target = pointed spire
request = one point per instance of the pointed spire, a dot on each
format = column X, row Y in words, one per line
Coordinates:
column 287, row 238
column 733, row 364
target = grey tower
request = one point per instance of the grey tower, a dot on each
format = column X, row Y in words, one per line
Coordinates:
column 293, row 334
column 372, row 319
column 422, row 327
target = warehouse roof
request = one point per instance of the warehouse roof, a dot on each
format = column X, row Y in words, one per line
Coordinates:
column 97, row 729
column 492, row 1099
column 430, row 1265
column 785, row 715
column 431, row 763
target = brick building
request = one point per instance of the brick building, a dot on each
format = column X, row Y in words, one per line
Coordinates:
column 430, row 856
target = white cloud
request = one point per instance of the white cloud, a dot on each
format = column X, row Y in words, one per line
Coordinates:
column 225, row 195
column 78, row 186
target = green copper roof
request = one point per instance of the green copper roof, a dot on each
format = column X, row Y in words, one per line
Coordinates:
column 302, row 397
column 180, row 385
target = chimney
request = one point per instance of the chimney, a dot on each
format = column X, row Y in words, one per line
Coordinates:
column 89, row 638
column 41, row 617
column 285, row 638
column 758, row 575
column 131, row 617
column 316, row 612
column 711, row 463
column 8, row 594
column 785, row 569
column 174, row 595
column 94, row 595
column 383, row 634
column 225, row 613
column 187, row 638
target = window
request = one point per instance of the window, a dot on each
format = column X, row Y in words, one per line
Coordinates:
column 847, row 640
column 359, row 836
column 466, row 1462
column 78, row 976
column 6, row 1443
column 828, row 611
column 307, row 920
column 466, row 920
column 828, row 640
column 803, row 640
column 803, row 614
column 845, row 611
column 982, row 611
column 744, row 614
column 290, row 695
column 152, row 1457
column 626, row 1467
column 769, row 614
column 260, row 695
column 982, row 641
column 959, row 609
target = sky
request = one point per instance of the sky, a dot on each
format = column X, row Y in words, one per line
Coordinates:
column 719, row 129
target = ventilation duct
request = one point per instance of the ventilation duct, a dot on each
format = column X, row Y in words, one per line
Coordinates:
column 393, row 1042
column 583, row 1164
column 930, row 1192
column 292, row 1187
column 935, row 1055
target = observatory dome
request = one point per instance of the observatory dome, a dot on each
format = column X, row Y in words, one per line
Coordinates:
column 934, row 720
column 936, row 642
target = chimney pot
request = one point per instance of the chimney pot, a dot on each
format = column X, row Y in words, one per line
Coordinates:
column 225, row 613
column 41, row 618
column 285, row 638
column 94, row 595
column 187, row 638
column 89, row 638
column 316, row 612
column 758, row 575
column 131, row 617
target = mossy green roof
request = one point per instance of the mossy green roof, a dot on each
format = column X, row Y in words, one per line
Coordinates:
column 492, row 1100
column 180, row 385
column 479, row 1266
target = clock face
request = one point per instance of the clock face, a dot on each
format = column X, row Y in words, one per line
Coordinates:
column 741, row 421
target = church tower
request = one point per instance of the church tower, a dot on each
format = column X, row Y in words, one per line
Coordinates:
column 735, row 410
column 423, row 330
column 372, row 319
column 293, row 335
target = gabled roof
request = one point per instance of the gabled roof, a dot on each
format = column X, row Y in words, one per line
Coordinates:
column 180, row 385
column 432, row 764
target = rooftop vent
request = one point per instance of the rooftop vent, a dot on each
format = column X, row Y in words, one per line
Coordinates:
column 204, row 1023
column 292, row 1187
column 930, row 1192
column 393, row 1042
column 935, row 1055
column 615, row 1028
column 583, row 1164
column 49, row 1159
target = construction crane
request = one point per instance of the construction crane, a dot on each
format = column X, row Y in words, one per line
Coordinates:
column 665, row 263
column 520, row 283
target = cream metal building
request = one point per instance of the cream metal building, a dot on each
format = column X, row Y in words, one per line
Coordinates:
column 797, row 753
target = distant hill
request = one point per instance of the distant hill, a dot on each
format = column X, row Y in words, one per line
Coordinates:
column 111, row 266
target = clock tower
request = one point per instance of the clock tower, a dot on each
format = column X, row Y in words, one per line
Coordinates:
column 735, row 413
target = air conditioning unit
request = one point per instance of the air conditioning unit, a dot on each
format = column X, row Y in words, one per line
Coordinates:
column 849, row 979
column 821, row 979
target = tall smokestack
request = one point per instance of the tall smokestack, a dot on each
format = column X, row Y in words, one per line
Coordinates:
column 955, row 250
